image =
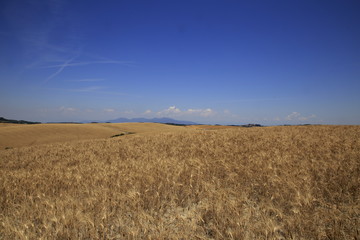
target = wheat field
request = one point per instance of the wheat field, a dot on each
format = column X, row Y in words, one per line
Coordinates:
column 20, row 135
column 294, row 182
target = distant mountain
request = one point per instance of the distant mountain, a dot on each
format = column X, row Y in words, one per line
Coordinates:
column 248, row 125
column 4, row 120
column 152, row 120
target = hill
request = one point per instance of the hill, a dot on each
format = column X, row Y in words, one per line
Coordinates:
column 4, row 120
column 152, row 120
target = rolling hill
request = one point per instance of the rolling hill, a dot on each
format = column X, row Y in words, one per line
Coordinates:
column 152, row 120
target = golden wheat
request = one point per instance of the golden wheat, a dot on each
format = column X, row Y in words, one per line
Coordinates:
column 257, row 183
column 21, row 135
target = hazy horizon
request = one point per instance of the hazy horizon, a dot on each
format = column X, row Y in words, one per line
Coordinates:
column 217, row 62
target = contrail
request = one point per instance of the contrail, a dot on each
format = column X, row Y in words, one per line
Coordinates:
column 61, row 68
column 88, row 63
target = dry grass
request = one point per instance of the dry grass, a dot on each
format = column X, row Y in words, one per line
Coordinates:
column 257, row 183
column 210, row 127
column 20, row 135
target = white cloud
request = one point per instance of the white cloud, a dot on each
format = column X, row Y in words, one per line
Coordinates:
column 169, row 111
column 292, row 116
column 207, row 112
column 307, row 118
column 129, row 112
column 67, row 109
column 295, row 116
column 174, row 111
column 109, row 110
column 148, row 111
column 202, row 112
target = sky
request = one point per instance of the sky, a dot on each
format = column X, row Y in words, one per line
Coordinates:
column 219, row 62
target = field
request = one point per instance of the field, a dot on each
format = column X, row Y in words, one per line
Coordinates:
column 170, row 182
column 20, row 135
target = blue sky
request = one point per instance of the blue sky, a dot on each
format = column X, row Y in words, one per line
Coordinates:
column 227, row 62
